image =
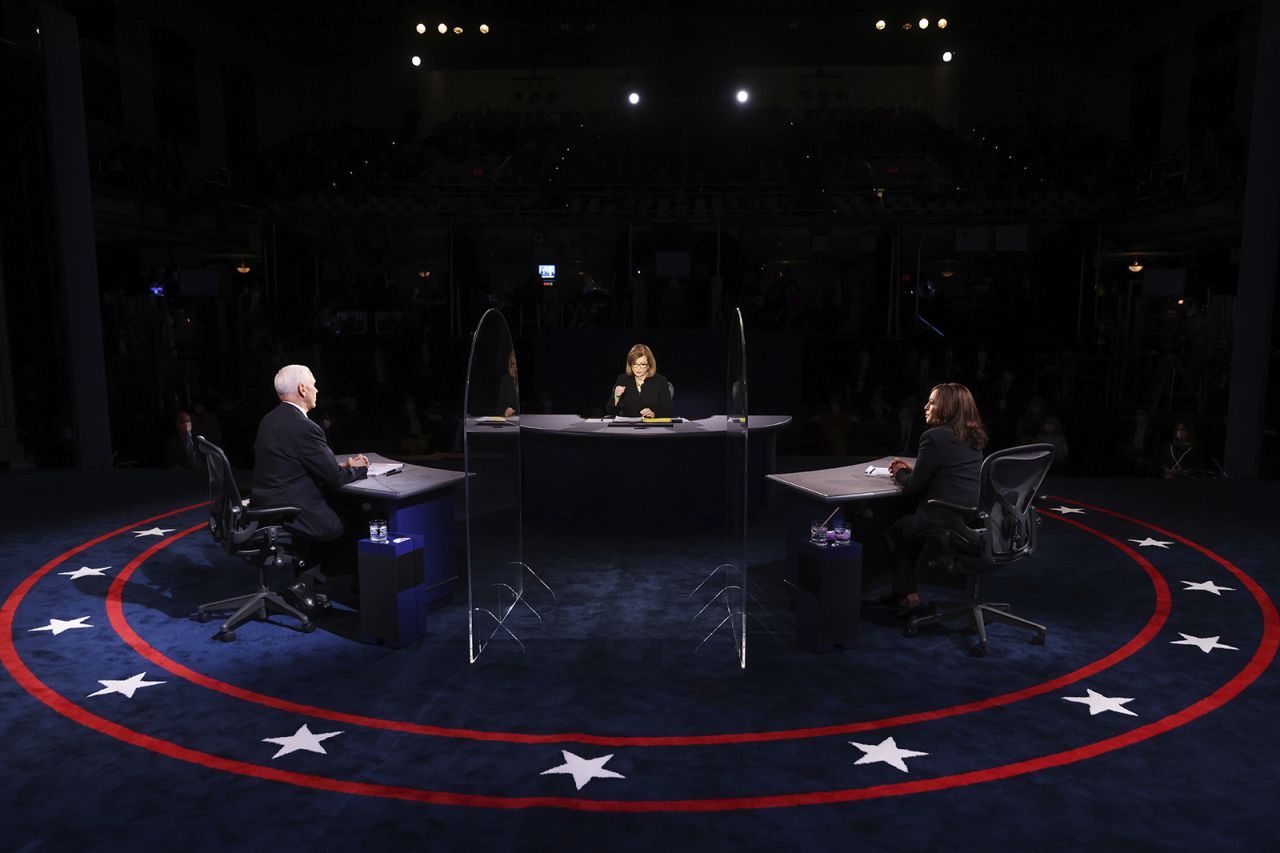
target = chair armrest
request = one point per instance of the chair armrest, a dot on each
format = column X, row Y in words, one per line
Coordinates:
column 271, row 513
column 970, row 514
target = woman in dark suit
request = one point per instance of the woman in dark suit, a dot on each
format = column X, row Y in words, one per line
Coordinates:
column 640, row 392
column 947, row 467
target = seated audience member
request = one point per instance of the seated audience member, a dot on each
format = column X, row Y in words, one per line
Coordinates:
column 180, row 446
column 1051, row 433
column 1182, row 457
column 1140, row 445
column 947, row 468
column 294, row 466
column 204, row 422
column 640, row 392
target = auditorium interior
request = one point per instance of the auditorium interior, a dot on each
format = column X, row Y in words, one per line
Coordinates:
column 814, row 212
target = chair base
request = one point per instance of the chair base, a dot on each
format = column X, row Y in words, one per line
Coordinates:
column 254, row 605
column 979, row 613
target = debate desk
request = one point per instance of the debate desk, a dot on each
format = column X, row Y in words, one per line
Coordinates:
column 418, row 501
column 600, row 471
column 828, row 581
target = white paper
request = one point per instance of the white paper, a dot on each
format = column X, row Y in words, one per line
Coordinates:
column 873, row 471
column 381, row 469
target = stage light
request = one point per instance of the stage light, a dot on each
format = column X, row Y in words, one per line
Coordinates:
column 424, row 273
column 633, row 98
column 442, row 28
column 1135, row 265
column 942, row 23
column 457, row 31
column 880, row 25
column 924, row 23
column 243, row 267
column 421, row 28
column 484, row 29
column 948, row 272
column 417, row 60
column 946, row 56
column 743, row 96
column 906, row 25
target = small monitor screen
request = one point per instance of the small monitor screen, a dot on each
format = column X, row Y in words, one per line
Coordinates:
column 547, row 272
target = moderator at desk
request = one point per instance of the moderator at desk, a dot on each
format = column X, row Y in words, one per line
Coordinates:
column 599, row 469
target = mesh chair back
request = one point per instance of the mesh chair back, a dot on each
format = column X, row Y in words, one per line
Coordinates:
column 225, row 507
column 1010, row 480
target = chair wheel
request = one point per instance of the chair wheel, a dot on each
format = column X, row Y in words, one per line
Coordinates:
column 308, row 627
column 978, row 651
column 226, row 636
column 1037, row 640
column 203, row 616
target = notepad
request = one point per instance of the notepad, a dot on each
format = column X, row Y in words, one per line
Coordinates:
column 873, row 471
column 381, row 469
column 491, row 419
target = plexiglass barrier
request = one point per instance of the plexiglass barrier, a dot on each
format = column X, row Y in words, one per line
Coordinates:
column 496, row 571
column 723, row 593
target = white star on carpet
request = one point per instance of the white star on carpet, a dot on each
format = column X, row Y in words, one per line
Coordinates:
column 1151, row 543
column 303, row 740
column 1067, row 510
column 85, row 572
column 1207, row 586
column 1205, row 644
column 583, row 770
column 155, row 531
column 1098, row 703
column 886, row 751
column 57, row 626
column 126, row 687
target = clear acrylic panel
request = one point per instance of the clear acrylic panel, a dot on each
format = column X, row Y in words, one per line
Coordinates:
column 491, row 449
column 722, row 593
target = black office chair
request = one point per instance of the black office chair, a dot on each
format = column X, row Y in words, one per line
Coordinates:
column 254, row 535
column 1002, row 528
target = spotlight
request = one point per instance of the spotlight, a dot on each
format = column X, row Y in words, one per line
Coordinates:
column 442, row 28
column 946, row 56
column 906, row 25
column 924, row 23
column 948, row 272
column 424, row 273
column 942, row 23
column 242, row 267
column 417, row 60
column 743, row 96
column 457, row 31
column 421, row 28
column 1135, row 265
column 633, row 98
column 880, row 25
column 484, row 29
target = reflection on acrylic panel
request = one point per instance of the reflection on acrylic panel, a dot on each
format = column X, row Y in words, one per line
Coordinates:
column 491, row 444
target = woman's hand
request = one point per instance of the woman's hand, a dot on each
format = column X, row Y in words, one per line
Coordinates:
column 618, row 391
column 646, row 413
column 898, row 465
column 508, row 412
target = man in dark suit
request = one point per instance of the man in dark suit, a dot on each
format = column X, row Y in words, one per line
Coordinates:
column 294, row 466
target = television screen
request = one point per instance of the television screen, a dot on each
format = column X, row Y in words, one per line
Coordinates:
column 547, row 272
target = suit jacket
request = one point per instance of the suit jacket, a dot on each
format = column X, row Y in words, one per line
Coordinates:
column 655, row 395
column 293, row 466
column 945, row 469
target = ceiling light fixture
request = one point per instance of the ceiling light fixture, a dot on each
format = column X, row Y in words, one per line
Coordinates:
column 1135, row 265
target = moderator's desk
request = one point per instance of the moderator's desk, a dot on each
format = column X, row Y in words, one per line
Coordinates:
column 835, row 576
column 417, row 500
column 587, row 470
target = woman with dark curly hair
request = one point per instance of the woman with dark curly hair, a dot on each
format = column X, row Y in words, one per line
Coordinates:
column 947, row 466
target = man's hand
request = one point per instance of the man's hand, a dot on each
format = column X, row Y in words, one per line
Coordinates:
column 357, row 461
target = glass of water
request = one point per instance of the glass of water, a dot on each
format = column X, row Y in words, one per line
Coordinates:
column 378, row 530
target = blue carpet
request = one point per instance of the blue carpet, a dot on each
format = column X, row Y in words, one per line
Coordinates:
column 420, row 746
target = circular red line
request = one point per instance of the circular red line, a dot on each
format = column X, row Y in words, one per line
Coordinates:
column 115, row 610
column 1257, row 664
